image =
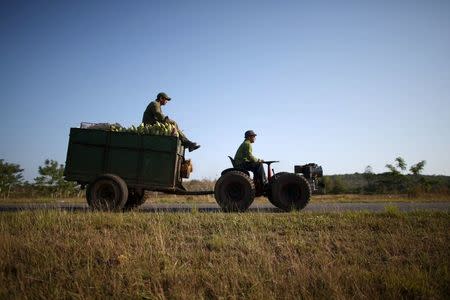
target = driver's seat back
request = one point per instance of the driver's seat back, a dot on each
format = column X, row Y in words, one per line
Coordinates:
column 235, row 167
column 232, row 161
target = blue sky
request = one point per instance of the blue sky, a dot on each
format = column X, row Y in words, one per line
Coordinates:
column 344, row 84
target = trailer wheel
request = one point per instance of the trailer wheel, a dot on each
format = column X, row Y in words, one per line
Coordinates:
column 107, row 193
column 135, row 200
column 289, row 191
column 234, row 191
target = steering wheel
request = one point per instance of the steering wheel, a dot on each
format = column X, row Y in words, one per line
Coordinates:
column 268, row 162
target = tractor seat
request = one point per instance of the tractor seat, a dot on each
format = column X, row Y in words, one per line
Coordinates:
column 235, row 167
column 232, row 161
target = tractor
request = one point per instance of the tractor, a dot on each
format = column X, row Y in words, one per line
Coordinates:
column 235, row 190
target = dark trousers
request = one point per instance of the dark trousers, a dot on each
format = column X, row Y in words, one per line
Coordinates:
column 257, row 169
column 184, row 140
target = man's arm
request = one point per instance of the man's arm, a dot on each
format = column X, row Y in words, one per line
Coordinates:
column 159, row 116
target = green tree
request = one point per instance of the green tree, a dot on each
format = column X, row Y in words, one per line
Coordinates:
column 394, row 181
column 417, row 168
column 401, row 164
column 393, row 169
column 334, row 185
column 368, row 174
column 369, row 177
column 339, row 186
column 419, row 184
column 327, row 184
column 398, row 182
column 10, row 175
column 52, row 182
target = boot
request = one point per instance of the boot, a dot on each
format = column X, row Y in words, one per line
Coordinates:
column 193, row 146
column 188, row 144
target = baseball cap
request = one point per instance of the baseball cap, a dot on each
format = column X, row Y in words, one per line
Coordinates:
column 249, row 133
column 163, row 95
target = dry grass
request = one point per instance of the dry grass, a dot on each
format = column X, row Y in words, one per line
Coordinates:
column 153, row 197
column 52, row 254
column 42, row 200
column 347, row 198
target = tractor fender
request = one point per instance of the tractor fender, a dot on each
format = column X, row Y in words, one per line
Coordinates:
column 235, row 169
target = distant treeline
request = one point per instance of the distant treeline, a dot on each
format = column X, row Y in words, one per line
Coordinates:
column 51, row 183
column 366, row 183
column 386, row 183
column 398, row 180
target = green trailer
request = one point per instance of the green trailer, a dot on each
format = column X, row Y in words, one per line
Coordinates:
column 118, row 167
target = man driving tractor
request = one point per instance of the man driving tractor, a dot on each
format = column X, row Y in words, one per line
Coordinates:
column 153, row 113
column 244, row 158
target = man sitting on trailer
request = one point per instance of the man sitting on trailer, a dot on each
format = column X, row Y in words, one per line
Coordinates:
column 153, row 113
column 244, row 158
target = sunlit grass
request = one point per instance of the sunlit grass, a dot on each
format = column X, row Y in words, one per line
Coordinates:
column 53, row 254
column 164, row 198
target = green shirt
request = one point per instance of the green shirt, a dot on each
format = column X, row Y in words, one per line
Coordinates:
column 153, row 113
column 244, row 154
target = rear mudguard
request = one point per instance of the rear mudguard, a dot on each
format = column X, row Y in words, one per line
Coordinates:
column 235, row 169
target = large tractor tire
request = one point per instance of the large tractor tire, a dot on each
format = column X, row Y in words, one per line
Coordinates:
column 234, row 191
column 135, row 200
column 107, row 193
column 289, row 191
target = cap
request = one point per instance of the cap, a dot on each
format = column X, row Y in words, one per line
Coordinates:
column 163, row 95
column 249, row 133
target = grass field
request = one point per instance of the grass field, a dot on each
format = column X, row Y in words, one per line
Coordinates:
column 53, row 254
column 164, row 198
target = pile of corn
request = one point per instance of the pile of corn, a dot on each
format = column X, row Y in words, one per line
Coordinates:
column 158, row 128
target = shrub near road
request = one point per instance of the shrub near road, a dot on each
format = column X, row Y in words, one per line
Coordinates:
column 252, row 255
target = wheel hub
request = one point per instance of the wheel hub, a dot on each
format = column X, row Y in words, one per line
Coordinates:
column 235, row 191
column 105, row 193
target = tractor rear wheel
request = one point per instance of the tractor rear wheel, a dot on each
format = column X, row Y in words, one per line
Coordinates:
column 107, row 193
column 289, row 191
column 234, row 191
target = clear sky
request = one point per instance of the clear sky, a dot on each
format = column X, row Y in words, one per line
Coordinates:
column 344, row 84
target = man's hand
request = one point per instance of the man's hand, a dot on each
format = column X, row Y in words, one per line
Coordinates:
column 168, row 120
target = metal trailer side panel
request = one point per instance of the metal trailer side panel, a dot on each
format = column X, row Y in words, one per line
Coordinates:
column 144, row 161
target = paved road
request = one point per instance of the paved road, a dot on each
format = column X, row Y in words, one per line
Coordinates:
column 206, row 207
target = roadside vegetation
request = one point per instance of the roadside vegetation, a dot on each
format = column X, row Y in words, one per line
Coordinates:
column 396, row 181
column 53, row 254
column 395, row 185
